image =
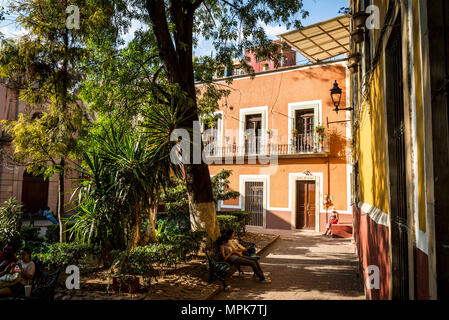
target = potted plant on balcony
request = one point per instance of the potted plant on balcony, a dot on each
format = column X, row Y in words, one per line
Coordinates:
column 320, row 130
column 270, row 132
column 294, row 132
column 265, row 66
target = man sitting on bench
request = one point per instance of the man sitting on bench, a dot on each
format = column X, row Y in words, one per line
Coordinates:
column 233, row 254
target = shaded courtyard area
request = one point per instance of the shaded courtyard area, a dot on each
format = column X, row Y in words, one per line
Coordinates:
column 303, row 265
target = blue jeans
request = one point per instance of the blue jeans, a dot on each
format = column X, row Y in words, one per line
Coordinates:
column 52, row 219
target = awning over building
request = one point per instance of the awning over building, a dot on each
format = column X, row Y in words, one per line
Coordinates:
column 321, row 41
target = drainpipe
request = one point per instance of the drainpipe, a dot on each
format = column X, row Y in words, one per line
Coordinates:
column 282, row 54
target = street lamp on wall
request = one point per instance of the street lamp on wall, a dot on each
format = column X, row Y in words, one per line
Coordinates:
column 336, row 98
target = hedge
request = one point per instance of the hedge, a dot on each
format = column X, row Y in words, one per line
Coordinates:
column 60, row 255
column 241, row 219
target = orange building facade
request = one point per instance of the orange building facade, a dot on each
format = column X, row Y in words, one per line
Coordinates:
column 289, row 175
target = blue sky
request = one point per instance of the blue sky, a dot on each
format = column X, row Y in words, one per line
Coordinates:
column 319, row 10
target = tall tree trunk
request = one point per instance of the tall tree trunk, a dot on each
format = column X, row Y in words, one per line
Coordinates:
column 201, row 201
column 150, row 232
column 135, row 236
column 61, row 190
column 176, row 55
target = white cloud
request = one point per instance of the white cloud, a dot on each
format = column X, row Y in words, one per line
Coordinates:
column 273, row 31
column 12, row 31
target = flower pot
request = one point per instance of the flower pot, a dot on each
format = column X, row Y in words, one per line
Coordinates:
column 354, row 68
column 359, row 19
column 126, row 285
column 358, row 36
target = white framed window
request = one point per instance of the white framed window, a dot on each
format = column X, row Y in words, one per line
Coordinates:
column 303, row 117
column 253, row 130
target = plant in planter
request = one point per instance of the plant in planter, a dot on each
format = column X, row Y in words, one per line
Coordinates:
column 269, row 132
column 320, row 130
column 294, row 132
column 265, row 66
column 125, row 283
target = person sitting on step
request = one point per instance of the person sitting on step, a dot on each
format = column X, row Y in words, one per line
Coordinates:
column 49, row 215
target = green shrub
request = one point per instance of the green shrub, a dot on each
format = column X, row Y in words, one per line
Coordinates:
column 52, row 233
column 30, row 238
column 228, row 222
column 175, row 249
column 243, row 218
column 30, row 233
column 10, row 222
column 60, row 255
column 162, row 216
column 186, row 241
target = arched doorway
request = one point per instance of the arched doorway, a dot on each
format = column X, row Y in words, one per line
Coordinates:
column 34, row 193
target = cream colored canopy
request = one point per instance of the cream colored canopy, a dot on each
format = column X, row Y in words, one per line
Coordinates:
column 321, row 41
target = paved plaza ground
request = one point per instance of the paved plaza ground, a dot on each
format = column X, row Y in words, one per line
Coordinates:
column 302, row 265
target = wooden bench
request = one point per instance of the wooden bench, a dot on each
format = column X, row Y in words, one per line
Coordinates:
column 218, row 268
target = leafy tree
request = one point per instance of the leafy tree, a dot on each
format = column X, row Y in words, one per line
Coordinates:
column 47, row 65
column 234, row 25
column 43, row 144
column 176, row 197
column 220, row 186
column 121, row 183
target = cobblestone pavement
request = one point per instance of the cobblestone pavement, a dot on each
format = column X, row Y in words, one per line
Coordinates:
column 302, row 265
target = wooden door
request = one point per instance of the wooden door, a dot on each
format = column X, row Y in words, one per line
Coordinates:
column 34, row 193
column 305, row 205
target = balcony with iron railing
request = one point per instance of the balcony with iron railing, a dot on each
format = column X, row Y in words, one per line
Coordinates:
column 301, row 145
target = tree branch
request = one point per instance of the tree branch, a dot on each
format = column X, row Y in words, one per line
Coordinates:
column 167, row 51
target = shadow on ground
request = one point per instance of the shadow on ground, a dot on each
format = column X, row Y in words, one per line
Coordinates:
column 303, row 266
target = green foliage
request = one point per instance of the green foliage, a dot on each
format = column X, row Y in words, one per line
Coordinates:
column 10, row 223
column 162, row 216
column 30, row 239
column 233, row 220
column 122, row 176
column 52, row 233
column 228, row 222
column 155, row 259
column 220, row 186
column 176, row 198
column 60, row 255
column 30, row 233
column 170, row 232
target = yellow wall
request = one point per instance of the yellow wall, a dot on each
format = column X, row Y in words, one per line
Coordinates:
column 372, row 146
